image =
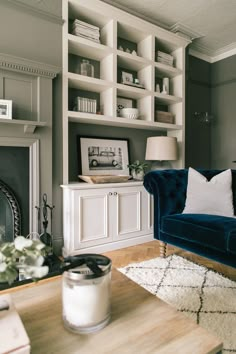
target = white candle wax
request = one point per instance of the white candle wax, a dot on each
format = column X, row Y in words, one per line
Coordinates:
column 88, row 303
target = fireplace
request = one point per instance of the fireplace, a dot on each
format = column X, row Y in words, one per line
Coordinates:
column 19, row 187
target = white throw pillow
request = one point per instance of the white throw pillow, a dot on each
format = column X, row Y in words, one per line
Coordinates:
column 209, row 197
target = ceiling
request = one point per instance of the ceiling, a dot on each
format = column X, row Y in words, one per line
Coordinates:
column 211, row 22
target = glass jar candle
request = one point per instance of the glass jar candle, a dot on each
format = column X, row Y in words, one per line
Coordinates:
column 86, row 294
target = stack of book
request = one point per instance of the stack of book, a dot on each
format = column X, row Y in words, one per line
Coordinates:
column 85, row 30
column 165, row 58
column 86, row 105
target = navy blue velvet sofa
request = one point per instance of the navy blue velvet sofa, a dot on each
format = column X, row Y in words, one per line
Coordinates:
column 211, row 236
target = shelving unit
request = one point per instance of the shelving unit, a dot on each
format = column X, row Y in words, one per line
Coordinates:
column 120, row 30
column 128, row 44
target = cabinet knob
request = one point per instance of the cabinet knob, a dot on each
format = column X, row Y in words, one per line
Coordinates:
column 110, row 193
column 115, row 193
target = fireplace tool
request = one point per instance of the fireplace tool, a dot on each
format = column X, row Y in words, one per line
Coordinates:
column 45, row 237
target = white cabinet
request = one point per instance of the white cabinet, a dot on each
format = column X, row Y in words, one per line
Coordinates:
column 102, row 218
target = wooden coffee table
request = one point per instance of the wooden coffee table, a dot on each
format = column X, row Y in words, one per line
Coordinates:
column 140, row 323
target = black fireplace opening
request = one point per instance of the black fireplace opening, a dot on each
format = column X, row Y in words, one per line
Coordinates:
column 14, row 191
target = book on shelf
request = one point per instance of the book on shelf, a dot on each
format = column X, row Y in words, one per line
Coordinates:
column 85, row 30
column 164, row 58
column 86, row 105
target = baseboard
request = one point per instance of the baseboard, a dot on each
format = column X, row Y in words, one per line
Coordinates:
column 110, row 246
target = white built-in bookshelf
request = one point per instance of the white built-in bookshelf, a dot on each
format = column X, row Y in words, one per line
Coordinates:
column 120, row 29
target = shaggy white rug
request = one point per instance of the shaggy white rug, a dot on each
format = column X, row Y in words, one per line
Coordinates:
column 202, row 294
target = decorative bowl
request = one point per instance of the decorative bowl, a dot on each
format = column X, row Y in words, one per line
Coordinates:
column 130, row 113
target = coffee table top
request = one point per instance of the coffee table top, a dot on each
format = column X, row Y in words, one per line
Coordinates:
column 140, row 323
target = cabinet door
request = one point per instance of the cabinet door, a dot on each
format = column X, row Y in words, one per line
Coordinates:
column 91, row 218
column 128, row 220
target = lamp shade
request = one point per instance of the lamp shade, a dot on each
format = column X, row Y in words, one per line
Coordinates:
column 161, row 148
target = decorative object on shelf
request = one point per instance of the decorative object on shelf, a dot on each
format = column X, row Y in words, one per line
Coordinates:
column 166, row 85
column 136, row 81
column 86, row 68
column 86, row 293
column 130, row 113
column 161, row 150
column 86, row 30
column 123, row 103
column 45, row 237
column 103, row 156
column 164, row 58
column 5, row 109
column 134, row 52
column 105, row 179
column 138, row 169
column 164, row 117
column 204, row 117
column 126, row 78
column 23, row 254
column 127, row 50
column 121, row 48
column 86, row 105
column 158, row 88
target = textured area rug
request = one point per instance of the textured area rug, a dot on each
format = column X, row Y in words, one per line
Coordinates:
column 202, row 294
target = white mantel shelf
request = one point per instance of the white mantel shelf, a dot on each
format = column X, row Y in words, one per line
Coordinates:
column 29, row 126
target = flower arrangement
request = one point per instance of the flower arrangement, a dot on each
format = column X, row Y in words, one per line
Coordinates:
column 138, row 169
column 22, row 254
column 137, row 166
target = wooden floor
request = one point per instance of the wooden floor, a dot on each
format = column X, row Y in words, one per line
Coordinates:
column 145, row 251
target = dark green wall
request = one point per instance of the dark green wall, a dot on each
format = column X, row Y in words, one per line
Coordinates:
column 223, row 103
column 198, row 99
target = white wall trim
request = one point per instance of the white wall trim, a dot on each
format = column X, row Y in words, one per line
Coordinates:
column 34, row 11
column 10, row 62
column 200, row 52
column 33, row 145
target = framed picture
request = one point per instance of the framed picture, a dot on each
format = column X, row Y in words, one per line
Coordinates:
column 6, row 109
column 103, row 156
column 123, row 103
column 126, row 78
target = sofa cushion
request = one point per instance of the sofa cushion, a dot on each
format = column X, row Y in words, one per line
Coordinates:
column 213, row 231
column 209, row 197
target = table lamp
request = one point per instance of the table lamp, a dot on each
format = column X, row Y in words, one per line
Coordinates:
column 161, row 150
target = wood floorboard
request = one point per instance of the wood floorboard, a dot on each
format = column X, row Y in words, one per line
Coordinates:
column 149, row 250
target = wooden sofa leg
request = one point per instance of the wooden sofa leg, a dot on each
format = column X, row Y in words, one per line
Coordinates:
column 163, row 249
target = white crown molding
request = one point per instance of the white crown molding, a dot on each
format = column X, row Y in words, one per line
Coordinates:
column 204, row 53
column 185, row 31
column 33, row 11
column 12, row 63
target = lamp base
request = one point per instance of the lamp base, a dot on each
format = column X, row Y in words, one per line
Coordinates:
column 160, row 165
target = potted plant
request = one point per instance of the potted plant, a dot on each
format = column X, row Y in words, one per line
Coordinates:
column 138, row 170
column 24, row 255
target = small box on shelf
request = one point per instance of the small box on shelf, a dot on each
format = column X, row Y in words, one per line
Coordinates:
column 164, row 117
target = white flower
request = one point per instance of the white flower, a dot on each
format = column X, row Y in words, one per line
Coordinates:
column 2, row 257
column 3, row 267
column 36, row 272
column 21, row 242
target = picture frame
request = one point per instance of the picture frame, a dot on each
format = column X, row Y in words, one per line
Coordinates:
column 126, row 78
column 5, row 109
column 103, row 156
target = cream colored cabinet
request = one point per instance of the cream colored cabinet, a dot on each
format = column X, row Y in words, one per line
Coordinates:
column 99, row 219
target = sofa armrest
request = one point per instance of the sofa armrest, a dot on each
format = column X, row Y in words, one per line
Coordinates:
column 168, row 188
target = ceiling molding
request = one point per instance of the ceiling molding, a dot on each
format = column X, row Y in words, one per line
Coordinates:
column 33, row 11
column 185, row 31
column 12, row 63
column 204, row 53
